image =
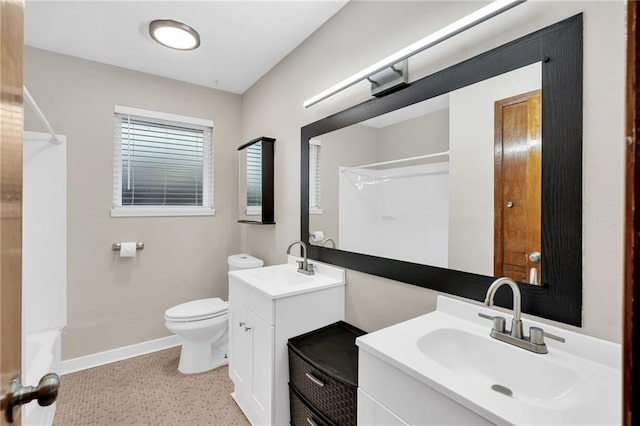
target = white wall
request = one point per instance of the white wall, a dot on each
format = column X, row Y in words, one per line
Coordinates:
column 471, row 129
column 364, row 32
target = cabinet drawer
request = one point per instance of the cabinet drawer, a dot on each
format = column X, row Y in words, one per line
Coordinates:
column 260, row 304
column 332, row 398
column 301, row 412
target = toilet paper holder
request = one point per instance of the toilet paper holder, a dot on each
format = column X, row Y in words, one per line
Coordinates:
column 116, row 246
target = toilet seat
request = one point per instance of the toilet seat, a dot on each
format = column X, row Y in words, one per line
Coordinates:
column 197, row 310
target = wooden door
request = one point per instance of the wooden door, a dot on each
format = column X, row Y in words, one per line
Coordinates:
column 517, row 179
column 11, row 127
column 631, row 347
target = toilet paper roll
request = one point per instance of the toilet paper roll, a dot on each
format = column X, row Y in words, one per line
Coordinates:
column 317, row 236
column 128, row 249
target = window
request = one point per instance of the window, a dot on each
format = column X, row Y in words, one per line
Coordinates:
column 254, row 179
column 314, row 177
column 163, row 164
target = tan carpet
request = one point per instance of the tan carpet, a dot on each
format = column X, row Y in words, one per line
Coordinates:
column 147, row 390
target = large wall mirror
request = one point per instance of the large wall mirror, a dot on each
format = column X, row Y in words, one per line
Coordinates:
column 468, row 174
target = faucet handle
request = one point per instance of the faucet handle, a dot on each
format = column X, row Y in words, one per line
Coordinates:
column 536, row 335
column 310, row 268
column 499, row 324
column 300, row 264
column 554, row 337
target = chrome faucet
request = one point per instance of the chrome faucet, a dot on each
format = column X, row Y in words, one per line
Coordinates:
column 304, row 267
column 535, row 341
column 516, row 324
column 327, row 240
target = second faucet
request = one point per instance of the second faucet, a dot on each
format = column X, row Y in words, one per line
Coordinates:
column 304, row 267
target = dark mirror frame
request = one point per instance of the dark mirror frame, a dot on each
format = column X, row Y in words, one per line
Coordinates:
column 559, row 48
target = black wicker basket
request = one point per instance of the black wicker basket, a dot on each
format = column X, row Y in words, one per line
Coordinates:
column 323, row 368
column 301, row 412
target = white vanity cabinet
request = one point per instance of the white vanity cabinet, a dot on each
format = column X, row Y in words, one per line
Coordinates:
column 389, row 396
column 263, row 315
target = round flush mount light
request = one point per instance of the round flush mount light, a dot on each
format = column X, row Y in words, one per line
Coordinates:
column 174, row 34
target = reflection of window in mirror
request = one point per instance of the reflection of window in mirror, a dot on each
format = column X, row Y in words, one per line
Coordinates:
column 314, row 177
column 254, row 179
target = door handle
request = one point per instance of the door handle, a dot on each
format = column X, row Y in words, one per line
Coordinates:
column 46, row 393
column 535, row 257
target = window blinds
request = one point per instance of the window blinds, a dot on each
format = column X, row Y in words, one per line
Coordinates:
column 161, row 163
column 254, row 175
column 314, row 175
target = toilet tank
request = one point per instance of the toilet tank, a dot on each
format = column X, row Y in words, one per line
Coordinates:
column 243, row 261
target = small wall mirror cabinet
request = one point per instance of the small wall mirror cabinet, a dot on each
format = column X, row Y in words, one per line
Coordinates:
column 256, row 181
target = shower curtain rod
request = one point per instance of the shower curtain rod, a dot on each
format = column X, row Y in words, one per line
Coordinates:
column 402, row 160
column 34, row 106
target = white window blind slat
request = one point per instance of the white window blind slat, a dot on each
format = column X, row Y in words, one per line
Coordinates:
column 159, row 163
column 254, row 175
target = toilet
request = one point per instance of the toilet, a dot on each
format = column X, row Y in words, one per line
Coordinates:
column 202, row 324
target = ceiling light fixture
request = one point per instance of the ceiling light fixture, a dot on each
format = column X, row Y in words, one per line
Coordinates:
column 174, row 34
column 480, row 15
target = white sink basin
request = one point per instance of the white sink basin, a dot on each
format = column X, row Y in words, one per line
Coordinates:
column 284, row 280
column 578, row 382
column 510, row 371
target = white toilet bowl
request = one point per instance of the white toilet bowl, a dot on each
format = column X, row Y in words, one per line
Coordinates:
column 202, row 325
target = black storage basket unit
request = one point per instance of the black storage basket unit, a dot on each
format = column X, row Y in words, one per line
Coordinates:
column 323, row 373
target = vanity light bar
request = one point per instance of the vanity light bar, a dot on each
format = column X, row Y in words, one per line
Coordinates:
column 471, row 20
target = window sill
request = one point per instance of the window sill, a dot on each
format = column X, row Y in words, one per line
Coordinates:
column 161, row 211
column 315, row 210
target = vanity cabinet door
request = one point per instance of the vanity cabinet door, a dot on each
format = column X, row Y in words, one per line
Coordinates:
column 371, row 412
column 262, row 336
column 240, row 345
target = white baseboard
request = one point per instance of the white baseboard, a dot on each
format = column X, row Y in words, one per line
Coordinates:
column 118, row 354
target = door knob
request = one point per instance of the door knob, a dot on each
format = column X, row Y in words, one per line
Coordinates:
column 535, row 257
column 45, row 393
column 509, row 204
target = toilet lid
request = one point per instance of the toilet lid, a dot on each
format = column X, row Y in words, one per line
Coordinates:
column 197, row 310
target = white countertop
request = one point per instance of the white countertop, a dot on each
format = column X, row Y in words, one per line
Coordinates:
column 593, row 363
column 283, row 280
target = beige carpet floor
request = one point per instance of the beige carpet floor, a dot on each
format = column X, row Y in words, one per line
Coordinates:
column 147, row 390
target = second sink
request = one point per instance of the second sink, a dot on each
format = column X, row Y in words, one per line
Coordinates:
column 491, row 364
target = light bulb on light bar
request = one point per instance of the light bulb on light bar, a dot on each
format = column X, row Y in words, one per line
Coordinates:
column 174, row 34
column 471, row 20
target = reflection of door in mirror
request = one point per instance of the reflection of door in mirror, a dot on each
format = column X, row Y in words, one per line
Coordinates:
column 518, row 167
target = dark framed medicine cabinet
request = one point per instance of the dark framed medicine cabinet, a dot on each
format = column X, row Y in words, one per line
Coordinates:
column 559, row 50
column 258, row 169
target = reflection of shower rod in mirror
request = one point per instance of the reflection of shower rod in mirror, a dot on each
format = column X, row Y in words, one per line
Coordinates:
column 401, row 160
column 489, row 11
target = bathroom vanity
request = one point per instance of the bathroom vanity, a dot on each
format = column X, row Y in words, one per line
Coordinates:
column 452, row 372
column 267, row 306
